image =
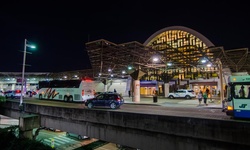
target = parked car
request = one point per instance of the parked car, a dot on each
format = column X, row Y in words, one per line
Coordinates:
column 106, row 99
column 80, row 137
column 13, row 94
column 52, row 129
column 182, row 93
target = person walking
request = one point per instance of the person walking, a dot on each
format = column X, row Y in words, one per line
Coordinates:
column 200, row 95
column 205, row 98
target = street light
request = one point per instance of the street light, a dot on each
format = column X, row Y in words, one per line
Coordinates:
column 24, row 59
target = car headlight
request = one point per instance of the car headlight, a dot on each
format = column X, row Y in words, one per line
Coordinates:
column 230, row 108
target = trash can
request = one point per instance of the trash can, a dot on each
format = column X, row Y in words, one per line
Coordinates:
column 155, row 99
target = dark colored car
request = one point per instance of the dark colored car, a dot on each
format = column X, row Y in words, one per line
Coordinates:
column 106, row 99
column 80, row 137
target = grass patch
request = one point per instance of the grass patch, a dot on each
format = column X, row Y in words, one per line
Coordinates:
column 10, row 142
column 2, row 99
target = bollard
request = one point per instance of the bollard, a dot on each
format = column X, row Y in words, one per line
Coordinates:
column 52, row 143
column 155, row 99
column 223, row 105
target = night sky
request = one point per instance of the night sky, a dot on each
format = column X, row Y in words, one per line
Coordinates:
column 60, row 29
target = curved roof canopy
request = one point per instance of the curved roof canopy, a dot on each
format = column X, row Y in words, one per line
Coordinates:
column 180, row 45
column 178, row 32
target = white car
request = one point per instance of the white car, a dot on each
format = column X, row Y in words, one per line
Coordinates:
column 1, row 93
column 13, row 94
column 182, row 93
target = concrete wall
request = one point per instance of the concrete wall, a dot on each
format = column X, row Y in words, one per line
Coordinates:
column 144, row 131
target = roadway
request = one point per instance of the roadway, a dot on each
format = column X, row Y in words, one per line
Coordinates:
column 164, row 106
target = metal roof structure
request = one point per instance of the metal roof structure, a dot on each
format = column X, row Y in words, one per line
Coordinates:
column 105, row 55
column 237, row 60
column 113, row 60
column 108, row 59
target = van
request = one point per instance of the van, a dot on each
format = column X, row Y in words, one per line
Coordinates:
column 13, row 94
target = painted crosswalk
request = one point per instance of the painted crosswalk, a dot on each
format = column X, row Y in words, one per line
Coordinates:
column 59, row 142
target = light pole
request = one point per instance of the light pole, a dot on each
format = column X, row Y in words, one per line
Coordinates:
column 23, row 70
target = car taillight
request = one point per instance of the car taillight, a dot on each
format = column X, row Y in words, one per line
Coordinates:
column 18, row 91
column 118, row 99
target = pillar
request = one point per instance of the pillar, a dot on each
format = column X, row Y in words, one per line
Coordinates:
column 105, row 87
column 105, row 83
column 13, row 86
column 166, row 89
column 136, row 97
column 27, row 123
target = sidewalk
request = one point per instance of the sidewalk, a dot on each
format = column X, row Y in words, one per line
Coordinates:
column 215, row 103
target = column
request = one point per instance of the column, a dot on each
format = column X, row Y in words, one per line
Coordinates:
column 166, row 89
column 136, row 97
column 105, row 87
column 13, row 86
column 27, row 123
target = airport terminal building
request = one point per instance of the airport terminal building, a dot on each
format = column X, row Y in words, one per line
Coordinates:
column 172, row 58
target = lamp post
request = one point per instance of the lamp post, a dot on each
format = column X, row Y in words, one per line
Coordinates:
column 23, row 70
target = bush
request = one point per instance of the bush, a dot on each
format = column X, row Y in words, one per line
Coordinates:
column 2, row 99
column 10, row 141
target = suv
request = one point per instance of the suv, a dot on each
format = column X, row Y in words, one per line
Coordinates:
column 106, row 99
column 182, row 93
column 13, row 94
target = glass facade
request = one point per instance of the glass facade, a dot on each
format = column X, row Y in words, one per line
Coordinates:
column 184, row 50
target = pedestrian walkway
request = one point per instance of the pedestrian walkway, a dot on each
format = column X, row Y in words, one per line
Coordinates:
column 212, row 103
